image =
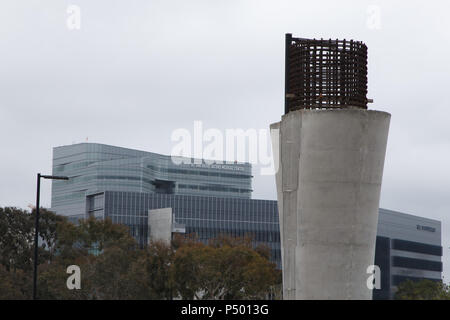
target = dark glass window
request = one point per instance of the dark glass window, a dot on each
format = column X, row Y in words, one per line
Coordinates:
column 418, row 247
column 413, row 263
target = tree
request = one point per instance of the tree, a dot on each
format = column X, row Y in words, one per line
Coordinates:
column 109, row 277
column 186, row 269
column 50, row 226
column 113, row 267
column 101, row 234
column 150, row 275
column 227, row 268
column 16, row 239
column 14, row 285
column 422, row 290
column 53, row 277
column 104, row 251
column 62, row 244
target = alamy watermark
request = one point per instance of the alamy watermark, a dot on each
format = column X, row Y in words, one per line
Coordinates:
column 213, row 146
column 74, row 280
column 73, row 21
column 373, row 17
column 374, row 280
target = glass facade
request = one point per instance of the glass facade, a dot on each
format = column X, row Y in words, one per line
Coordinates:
column 207, row 217
column 408, row 248
column 94, row 167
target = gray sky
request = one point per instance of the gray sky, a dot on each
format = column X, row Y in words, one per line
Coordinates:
column 139, row 69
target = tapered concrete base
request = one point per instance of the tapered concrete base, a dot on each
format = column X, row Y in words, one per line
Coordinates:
column 328, row 187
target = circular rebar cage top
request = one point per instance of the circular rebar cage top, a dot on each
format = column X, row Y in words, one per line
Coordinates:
column 325, row 74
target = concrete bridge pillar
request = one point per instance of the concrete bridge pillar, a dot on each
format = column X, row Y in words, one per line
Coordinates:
column 328, row 188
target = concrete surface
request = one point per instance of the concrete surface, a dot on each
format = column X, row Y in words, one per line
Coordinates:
column 160, row 225
column 328, row 188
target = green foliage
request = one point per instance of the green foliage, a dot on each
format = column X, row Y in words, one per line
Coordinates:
column 228, row 268
column 16, row 236
column 104, row 234
column 150, row 275
column 14, row 285
column 113, row 267
column 422, row 290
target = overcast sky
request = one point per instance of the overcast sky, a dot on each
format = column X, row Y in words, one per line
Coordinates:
column 137, row 70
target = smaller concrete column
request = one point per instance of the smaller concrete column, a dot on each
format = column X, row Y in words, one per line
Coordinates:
column 160, row 225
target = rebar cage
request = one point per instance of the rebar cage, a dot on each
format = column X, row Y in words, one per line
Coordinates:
column 325, row 74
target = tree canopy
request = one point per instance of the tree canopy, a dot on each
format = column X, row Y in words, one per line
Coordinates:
column 422, row 290
column 114, row 267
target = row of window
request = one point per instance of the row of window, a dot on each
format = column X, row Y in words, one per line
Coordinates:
column 71, row 166
column 212, row 188
column 135, row 203
column 200, row 172
column 419, row 264
column 418, row 247
column 77, row 195
column 210, row 233
column 84, row 179
column 228, row 223
column 217, row 188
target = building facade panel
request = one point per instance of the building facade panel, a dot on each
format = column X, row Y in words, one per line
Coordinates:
column 207, row 217
column 411, row 250
column 93, row 168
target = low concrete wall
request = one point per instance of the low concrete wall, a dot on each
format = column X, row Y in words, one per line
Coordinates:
column 328, row 188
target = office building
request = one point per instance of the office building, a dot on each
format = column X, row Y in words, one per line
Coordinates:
column 407, row 248
column 94, row 167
